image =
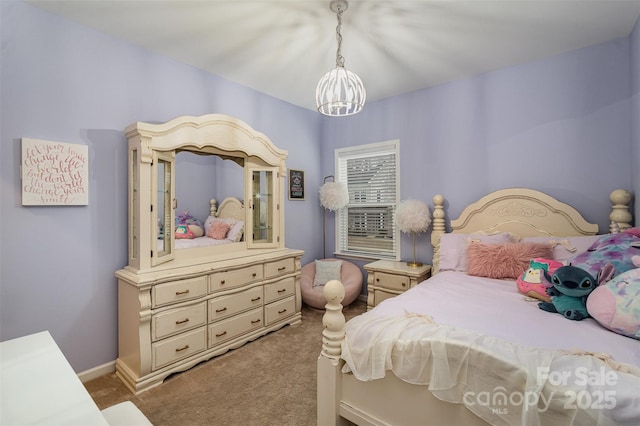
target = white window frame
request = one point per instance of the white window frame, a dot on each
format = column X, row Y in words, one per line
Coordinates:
column 348, row 244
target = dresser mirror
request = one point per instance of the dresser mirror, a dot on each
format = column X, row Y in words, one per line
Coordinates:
column 216, row 169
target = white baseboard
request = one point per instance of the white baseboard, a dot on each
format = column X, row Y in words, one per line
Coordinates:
column 98, row 371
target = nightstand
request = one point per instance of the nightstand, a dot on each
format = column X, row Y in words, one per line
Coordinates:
column 388, row 278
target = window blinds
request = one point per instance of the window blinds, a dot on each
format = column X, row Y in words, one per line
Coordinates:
column 366, row 225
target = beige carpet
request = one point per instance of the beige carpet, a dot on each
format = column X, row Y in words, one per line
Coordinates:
column 270, row 381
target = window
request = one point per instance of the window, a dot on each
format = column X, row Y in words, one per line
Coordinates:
column 366, row 226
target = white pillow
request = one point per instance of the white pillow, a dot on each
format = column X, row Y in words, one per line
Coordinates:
column 326, row 270
column 453, row 248
column 236, row 231
column 565, row 247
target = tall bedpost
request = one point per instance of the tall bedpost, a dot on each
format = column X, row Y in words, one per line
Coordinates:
column 438, row 229
column 620, row 214
column 213, row 207
column 328, row 380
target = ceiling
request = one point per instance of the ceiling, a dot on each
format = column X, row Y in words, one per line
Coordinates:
column 283, row 47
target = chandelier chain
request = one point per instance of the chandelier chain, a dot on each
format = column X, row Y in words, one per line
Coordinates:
column 339, row 57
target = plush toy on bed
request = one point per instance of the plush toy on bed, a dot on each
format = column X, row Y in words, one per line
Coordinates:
column 193, row 226
column 570, row 288
column 616, row 304
column 533, row 283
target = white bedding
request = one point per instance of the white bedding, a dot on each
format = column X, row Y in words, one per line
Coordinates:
column 440, row 332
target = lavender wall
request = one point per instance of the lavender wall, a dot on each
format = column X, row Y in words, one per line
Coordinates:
column 560, row 125
column 63, row 82
column 635, row 117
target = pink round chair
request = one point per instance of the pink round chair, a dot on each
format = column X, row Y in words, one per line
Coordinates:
column 350, row 276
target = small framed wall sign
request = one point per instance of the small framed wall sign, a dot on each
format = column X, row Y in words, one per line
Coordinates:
column 54, row 173
column 296, row 184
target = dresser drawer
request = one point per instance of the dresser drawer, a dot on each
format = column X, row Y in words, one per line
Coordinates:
column 279, row 289
column 235, row 326
column 276, row 311
column 225, row 306
column 281, row 267
column 177, row 291
column 177, row 320
column 178, row 347
column 224, row 280
column 391, row 281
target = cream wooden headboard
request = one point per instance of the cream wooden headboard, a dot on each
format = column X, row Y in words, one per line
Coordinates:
column 230, row 208
column 521, row 211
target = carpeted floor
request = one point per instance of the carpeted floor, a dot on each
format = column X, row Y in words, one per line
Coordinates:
column 270, row 381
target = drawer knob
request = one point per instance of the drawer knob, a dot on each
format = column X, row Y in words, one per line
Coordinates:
column 254, row 275
column 282, row 269
column 255, row 321
column 404, row 284
column 282, row 311
column 221, row 310
column 377, row 280
column 184, row 348
column 180, row 293
column 221, row 334
column 255, row 299
column 222, row 282
column 282, row 290
column 184, row 321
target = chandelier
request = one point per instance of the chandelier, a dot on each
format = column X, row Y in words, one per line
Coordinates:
column 340, row 92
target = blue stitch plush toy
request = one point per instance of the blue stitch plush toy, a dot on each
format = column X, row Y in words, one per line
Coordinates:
column 570, row 287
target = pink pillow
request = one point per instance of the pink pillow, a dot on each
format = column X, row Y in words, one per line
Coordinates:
column 508, row 260
column 218, row 230
column 453, row 248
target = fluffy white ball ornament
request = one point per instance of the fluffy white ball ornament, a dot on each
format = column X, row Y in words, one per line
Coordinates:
column 334, row 195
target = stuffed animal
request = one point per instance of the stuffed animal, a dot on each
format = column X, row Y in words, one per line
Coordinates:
column 615, row 249
column 195, row 226
column 570, row 288
column 533, row 283
column 616, row 304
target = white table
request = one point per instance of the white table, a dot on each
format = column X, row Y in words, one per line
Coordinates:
column 38, row 386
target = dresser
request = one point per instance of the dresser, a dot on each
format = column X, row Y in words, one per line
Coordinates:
column 178, row 304
column 170, row 320
column 388, row 278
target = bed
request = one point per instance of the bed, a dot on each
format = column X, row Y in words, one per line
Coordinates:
column 461, row 349
column 231, row 212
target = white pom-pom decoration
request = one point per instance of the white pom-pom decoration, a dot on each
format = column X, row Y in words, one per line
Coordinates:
column 334, row 195
column 413, row 216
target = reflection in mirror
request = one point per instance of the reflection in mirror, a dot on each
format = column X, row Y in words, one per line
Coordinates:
column 200, row 177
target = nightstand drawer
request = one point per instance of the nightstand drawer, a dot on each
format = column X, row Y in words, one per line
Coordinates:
column 280, row 289
column 178, row 320
column 226, row 306
column 381, row 295
column 177, row 291
column 233, row 327
column 391, row 281
column 178, row 347
column 224, row 280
